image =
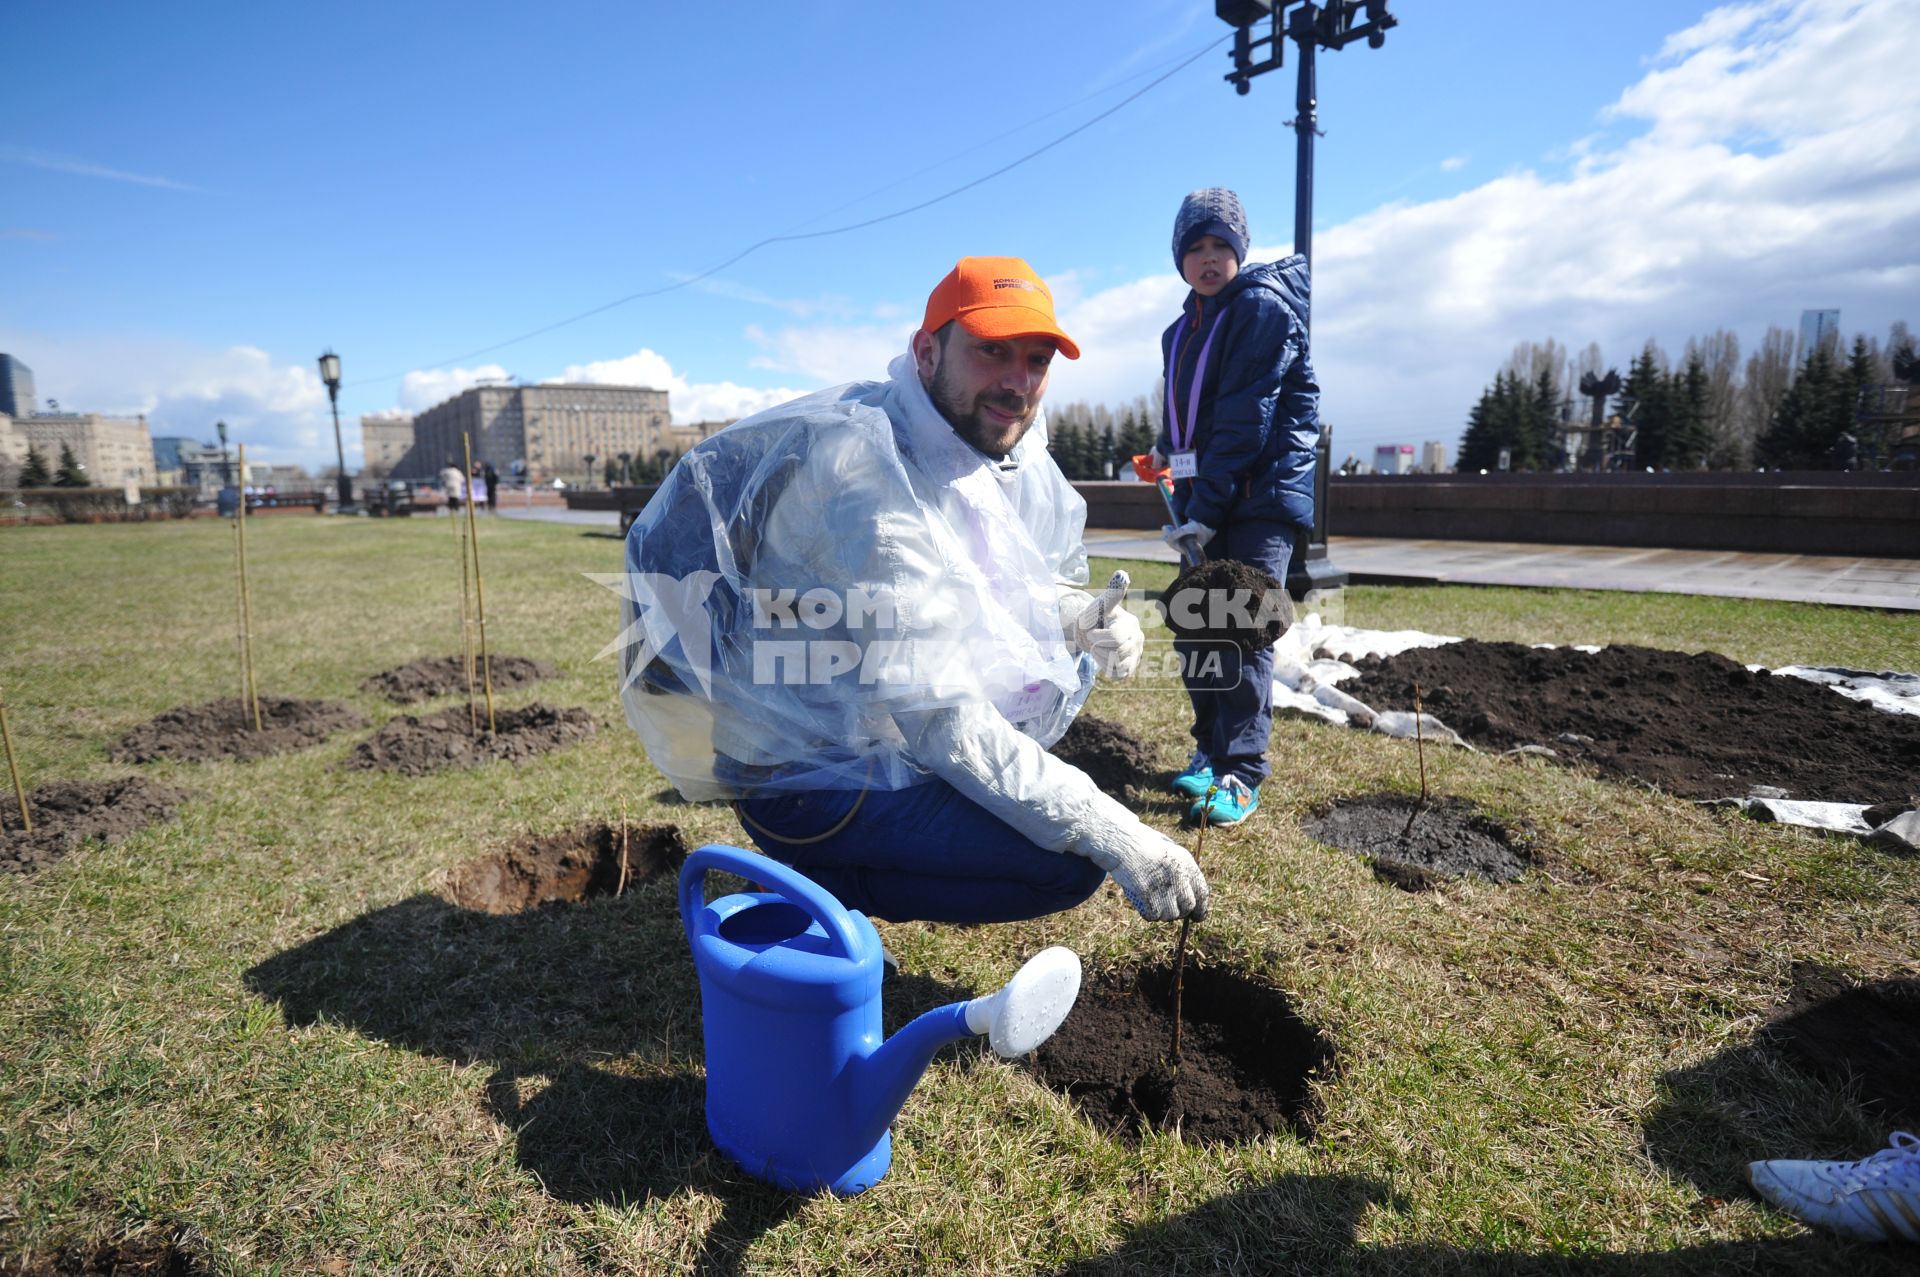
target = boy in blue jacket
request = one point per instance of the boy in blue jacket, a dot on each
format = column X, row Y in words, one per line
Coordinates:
column 1242, row 423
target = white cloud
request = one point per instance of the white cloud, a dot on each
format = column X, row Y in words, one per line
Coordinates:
column 690, row 401
column 423, row 388
column 85, row 168
column 278, row 410
column 830, row 355
column 1779, row 168
column 1454, row 163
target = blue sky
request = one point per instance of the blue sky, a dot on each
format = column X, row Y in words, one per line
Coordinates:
column 195, row 201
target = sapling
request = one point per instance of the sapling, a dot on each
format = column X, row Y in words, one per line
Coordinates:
column 1180, row 947
column 466, row 621
column 1420, row 750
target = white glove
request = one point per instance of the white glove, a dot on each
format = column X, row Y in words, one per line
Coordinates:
column 1199, row 533
column 1158, row 875
column 1103, row 628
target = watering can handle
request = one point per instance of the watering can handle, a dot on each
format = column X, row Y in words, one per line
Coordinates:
column 800, row 890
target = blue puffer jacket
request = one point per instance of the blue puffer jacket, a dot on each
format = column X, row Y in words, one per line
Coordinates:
column 1258, row 419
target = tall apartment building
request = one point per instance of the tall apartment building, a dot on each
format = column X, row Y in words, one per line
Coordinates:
column 549, row 430
column 385, row 440
column 16, row 388
column 113, row 449
column 1433, row 457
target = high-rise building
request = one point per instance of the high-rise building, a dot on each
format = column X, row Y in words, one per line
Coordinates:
column 1817, row 328
column 549, row 430
column 16, row 388
column 1433, row 456
column 1393, row 458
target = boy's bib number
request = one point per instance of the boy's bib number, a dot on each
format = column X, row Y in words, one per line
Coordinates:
column 1183, row 464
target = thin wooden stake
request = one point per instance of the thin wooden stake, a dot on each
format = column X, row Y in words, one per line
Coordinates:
column 1186, row 925
column 479, row 587
column 13, row 765
column 466, row 622
column 250, row 691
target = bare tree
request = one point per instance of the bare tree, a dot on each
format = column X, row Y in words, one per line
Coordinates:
column 1769, row 373
column 1720, row 354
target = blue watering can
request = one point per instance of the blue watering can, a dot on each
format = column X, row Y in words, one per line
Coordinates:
column 800, row 1086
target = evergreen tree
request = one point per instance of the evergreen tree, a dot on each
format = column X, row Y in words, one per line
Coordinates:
column 1852, row 387
column 1543, row 423
column 1479, row 446
column 1644, row 405
column 71, row 473
column 33, row 471
column 1690, row 435
column 1798, row 436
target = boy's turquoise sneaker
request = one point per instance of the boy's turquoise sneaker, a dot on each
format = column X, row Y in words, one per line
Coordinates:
column 1232, row 802
column 1193, row 782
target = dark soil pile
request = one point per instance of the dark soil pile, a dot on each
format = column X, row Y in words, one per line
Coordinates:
column 150, row 1258
column 1448, row 838
column 67, row 813
column 415, row 746
column 579, row 864
column 1113, row 756
column 1246, row 1058
column 432, row 676
column 1695, row 726
column 1225, row 600
column 1868, row 1034
column 224, row 729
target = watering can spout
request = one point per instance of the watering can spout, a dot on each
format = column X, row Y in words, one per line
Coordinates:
column 1015, row 1020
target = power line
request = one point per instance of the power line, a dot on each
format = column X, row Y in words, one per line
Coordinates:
column 804, row 235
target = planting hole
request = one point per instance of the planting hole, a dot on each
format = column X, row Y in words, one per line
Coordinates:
column 224, row 729
column 580, row 864
column 1447, row 838
column 414, row 746
column 1247, row 1060
column 432, row 676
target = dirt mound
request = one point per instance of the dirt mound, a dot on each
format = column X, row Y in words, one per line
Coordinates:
column 1448, row 838
column 1113, row 756
column 68, row 813
column 1246, row 1058
column 1695, row 726
column 415, row 746
column 579, row 864
column 1864, row 1033
column 224, row 729
column 1225, row 600
column 145, row 1258
column 432, row 676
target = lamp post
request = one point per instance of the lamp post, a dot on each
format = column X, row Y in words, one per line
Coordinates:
column 330, row 373
column 626, row 467
column 590, row 458
column 226, row 471
column 1311, row 27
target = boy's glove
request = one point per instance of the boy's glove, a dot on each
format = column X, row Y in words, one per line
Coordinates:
column 1199, row 533
column 1103, row 628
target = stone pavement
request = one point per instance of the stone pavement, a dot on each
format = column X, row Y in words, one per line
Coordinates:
column 1801, row 578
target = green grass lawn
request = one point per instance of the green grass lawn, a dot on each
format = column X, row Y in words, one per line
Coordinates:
column 258, row 1027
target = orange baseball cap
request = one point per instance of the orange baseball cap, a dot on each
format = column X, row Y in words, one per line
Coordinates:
column 996, row 297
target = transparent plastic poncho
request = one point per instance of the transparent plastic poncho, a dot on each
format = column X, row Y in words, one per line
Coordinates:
column 810, row 573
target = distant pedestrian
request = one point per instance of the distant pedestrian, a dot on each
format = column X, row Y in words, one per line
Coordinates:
column 455, row 484
column 477, row 490
column 492, row 477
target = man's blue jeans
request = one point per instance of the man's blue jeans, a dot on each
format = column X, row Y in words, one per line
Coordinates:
column 1233, row 699
column 925, row 852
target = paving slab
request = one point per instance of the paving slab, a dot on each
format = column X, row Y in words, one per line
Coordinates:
column 1801, row 578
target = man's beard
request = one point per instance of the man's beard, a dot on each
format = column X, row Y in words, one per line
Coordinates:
column 967, row 420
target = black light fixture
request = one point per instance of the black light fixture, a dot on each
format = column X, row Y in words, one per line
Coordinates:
column 330, row 373
column 226, row 471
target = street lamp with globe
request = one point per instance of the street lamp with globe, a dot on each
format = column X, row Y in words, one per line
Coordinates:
column 330, row 373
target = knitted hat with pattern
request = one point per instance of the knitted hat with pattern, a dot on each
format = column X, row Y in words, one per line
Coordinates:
column 1213, row 211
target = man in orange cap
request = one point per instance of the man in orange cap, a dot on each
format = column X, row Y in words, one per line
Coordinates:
column 856, row 616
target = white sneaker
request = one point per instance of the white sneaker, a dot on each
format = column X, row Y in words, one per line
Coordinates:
column 1876, row 1199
